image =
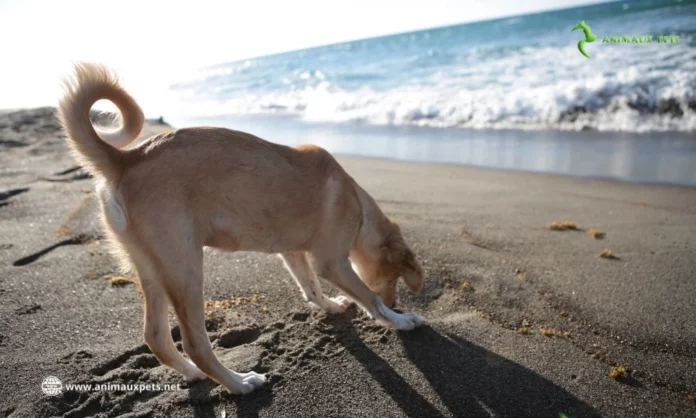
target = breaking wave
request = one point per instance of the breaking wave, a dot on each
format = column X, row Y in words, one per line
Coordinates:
column 444, row 78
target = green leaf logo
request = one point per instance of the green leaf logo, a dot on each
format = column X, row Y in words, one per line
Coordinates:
column 589, row 37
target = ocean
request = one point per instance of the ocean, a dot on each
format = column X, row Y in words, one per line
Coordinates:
column 509, row 93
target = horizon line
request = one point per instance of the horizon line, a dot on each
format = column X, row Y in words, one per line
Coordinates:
column 412, row 31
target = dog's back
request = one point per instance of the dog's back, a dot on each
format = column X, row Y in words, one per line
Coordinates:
column 245, row 193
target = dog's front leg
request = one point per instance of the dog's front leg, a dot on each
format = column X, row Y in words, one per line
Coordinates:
column 341, row 274
column 298, row 266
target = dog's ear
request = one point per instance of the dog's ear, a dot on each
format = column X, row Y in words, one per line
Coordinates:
column 412, row 273
column 393, row 249
column 397, row 253
column 387, row 253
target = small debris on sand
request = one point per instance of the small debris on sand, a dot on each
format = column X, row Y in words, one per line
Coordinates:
column 119, row 281
column 232, row 301
column 216, row 310
column 595, row 233
column 618, row 372
column 469, row 239
column 608, row 254
column 524, row 329
column 597, row 352
column 550, row 332
column 691, row 397
column 563, row 226
column 28, row 309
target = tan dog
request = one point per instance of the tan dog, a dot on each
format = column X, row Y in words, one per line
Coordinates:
column 166, row 199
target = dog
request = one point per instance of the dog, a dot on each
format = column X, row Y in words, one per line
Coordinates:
column 166, row 199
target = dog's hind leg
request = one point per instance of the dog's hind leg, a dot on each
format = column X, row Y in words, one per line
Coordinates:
column 156, row 319
column 156, row 328
column 184, row 286
column 158, row 336
column 298, row 266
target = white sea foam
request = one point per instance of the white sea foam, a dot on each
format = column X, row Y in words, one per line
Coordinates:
column 634, row 88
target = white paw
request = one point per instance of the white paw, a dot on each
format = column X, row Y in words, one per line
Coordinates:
column 338, row 304
column 406, row 322
column 254, row 378
column 333, row 305
column 342, row 301
column 249, row 382
column 243, row 388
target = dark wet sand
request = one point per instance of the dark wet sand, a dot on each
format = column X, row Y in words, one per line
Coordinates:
column 491, row 267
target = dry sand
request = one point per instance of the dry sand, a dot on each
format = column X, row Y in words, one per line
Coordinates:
column 493, row 271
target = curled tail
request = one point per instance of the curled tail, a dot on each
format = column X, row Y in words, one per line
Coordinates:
column 96, row 149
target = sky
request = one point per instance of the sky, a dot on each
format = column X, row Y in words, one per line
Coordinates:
column 152, row 42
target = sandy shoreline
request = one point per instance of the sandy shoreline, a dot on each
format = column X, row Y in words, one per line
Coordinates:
column 491, row 268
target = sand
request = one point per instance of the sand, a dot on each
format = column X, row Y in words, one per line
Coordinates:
column 495, row 277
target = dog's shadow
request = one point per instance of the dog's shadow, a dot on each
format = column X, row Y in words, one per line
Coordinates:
column 469, row 380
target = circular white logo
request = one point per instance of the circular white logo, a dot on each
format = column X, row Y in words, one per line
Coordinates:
column 51, row 386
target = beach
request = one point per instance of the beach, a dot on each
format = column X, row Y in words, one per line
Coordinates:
column 522, row 320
